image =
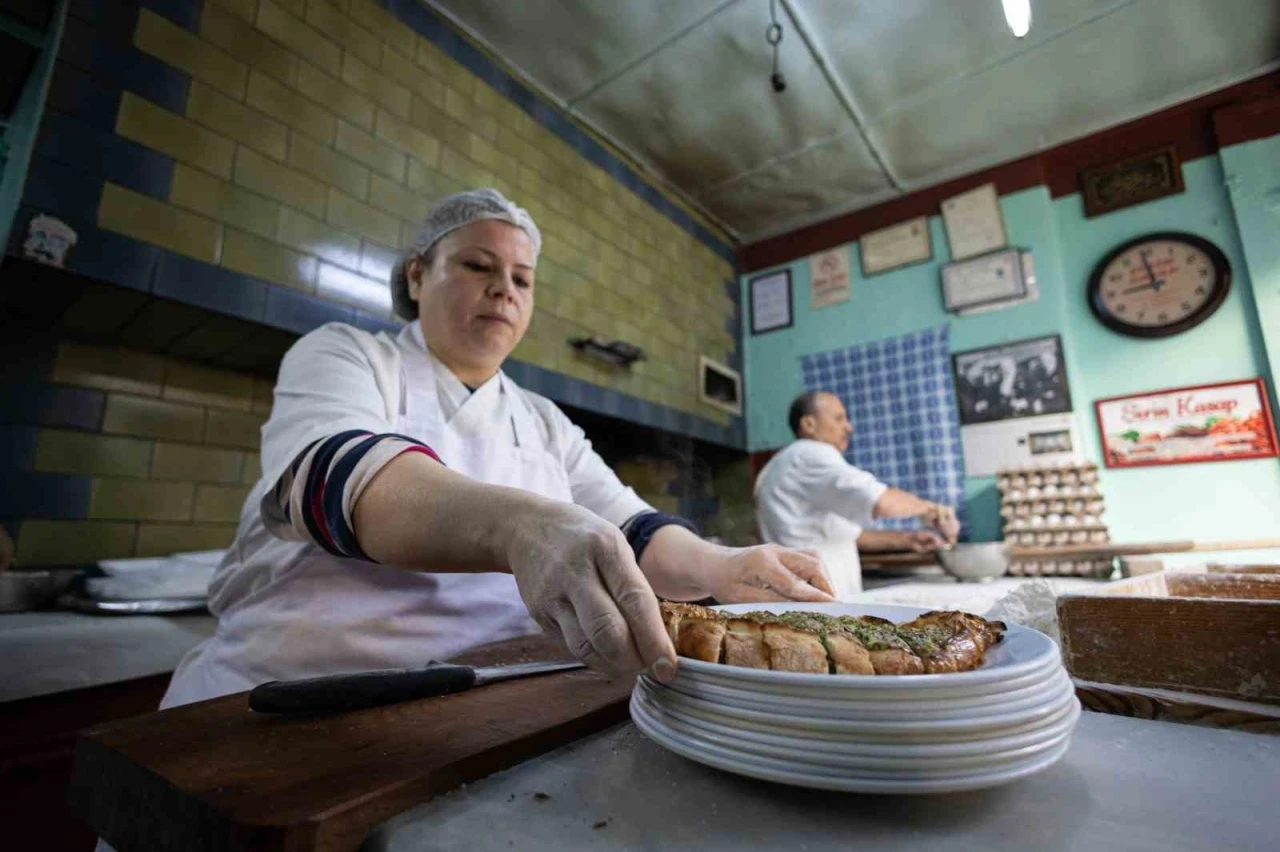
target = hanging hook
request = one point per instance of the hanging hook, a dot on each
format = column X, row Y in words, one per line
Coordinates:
column 773, row 35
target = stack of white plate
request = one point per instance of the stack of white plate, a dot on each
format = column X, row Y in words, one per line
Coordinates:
column 875, row 734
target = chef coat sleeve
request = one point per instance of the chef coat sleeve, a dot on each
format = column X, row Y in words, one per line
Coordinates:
column 836, row 485
column 329, row 434
column 593, row 484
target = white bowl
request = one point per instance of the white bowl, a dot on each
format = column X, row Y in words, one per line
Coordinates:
column 979, row 563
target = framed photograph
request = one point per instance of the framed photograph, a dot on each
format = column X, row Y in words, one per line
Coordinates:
column 983, row 281
column 770, row 301
column 1202, row 423
column 975, row 223
column 1023, row 379
column 896, row 246
column 719, row 386
column 1133, row 180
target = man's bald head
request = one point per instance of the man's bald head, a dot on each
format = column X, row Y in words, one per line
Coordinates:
column 820, row 416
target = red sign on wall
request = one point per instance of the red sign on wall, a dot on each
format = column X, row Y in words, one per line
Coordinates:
column 1221, row 422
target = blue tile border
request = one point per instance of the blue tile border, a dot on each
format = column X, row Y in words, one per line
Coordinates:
column 300, row 313
column 118, row 61
column 184, row 13
column 430, row 26
column 101, row 153
column 17, row 446
column 54, row 496
column 74, row 92
column 203, row 285
column 39, row 404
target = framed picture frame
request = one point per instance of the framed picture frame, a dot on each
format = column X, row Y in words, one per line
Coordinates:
column 1133, row 180
column 719, row 385
column 974, row 222
column 1026, row 378
column 985, row 280
column 895, row 247
column 769, row 301
column 1227, row 421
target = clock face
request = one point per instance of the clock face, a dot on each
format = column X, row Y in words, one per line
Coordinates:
column 1159, row 285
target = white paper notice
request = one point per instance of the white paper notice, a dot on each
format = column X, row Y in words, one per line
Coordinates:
column 1021, row 442
column 829, row 278
column 974, row 222
column 770, row 302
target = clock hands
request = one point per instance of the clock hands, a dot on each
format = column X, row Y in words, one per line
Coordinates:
column 1155, row 282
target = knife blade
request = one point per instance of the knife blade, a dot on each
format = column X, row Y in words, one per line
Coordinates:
column 359, row 690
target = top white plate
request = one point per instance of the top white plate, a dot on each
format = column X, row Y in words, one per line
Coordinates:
column 1022, row 652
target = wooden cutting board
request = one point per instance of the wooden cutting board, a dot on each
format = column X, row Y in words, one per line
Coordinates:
column 215, row 777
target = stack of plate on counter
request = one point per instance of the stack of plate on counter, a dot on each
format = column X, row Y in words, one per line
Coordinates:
column 1009, row 718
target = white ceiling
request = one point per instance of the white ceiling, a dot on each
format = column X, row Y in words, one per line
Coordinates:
column 883, row 96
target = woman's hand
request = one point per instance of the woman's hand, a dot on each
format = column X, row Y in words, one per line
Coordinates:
column 579, row 578
column 767, row 572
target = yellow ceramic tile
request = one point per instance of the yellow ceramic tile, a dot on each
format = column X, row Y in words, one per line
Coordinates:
column 236, row 121
column 331, row 21
column 233, row 32
column 251, row 472
column 244, row 252
column 354, row 106
column 270, row 97
column 298, row 36
column 246, row 10
column 181, row 48
column 263, row 394
column 219, row 503
column 185, row 382
column 180, row 138
column 407, row 138
column 152, row 418
column 110, row 368
column 376, row 261
column 47, row 543
column 463, row 170
column 359, row 218
column 59, row 451
column 372, row 152
column 385, row 25
column 167, row 539
column 311, row 236
column 365, row 293
column 156, row 222
column 140, row 500
column 332, row 168
column 256, row 172
column 409, row 74
column 192, row 463
column 486, row 154
column 458, row 105
column 408, row 235
column 223, row 201
column 431, row 58
column 434, row 122
column 376, row 85
column 400, row 202
column 234, row 429
column 430, row 182
column 460, row 78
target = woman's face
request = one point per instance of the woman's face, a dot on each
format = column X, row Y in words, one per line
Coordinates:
column 475, row 299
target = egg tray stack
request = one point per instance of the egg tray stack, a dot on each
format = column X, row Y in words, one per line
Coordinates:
column 1054, row 507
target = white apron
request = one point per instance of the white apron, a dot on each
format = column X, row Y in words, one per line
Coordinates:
column 326, row 614
column 839, row 552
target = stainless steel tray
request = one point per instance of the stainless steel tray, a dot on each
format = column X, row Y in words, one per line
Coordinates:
column 158, row 606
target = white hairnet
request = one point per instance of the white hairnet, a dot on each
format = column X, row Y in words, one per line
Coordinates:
column 446, row 216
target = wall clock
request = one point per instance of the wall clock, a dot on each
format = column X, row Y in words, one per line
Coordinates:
column 1159, row 284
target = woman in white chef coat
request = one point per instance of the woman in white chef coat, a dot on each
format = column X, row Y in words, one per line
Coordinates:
column 416, row 502
column 808, row 496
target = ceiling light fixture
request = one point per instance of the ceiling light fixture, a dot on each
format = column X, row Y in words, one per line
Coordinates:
column 773, row 35
column 1018, row 14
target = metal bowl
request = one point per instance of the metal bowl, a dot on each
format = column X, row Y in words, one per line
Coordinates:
column 975, row 563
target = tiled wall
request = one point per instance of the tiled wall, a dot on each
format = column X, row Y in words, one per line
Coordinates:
column 268, row 158
column 139, row 455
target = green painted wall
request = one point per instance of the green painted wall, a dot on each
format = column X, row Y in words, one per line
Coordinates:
column 1205, row 501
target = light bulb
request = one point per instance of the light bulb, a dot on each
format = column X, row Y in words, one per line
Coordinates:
column 1018, row 14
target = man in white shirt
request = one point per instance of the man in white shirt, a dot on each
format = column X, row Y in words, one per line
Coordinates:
column 808, row 496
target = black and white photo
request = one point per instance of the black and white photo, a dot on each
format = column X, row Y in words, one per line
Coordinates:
column 1023, row 379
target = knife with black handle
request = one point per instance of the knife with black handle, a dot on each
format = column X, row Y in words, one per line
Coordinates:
column 341, row 692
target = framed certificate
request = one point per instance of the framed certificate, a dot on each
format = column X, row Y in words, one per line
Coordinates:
column 974, row 222
column 896, row 246
column 986, row 280
column 770, row 301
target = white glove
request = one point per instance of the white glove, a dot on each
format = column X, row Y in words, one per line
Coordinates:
column 578, row 576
